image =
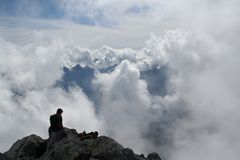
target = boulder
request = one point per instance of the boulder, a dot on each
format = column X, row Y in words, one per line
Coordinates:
column 105, row 148
column 28, row 148
column 153, row 156
column 2, row 157
column 129, row 154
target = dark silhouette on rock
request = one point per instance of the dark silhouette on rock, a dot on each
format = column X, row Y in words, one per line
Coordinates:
column 71, row 147
column 56, row 122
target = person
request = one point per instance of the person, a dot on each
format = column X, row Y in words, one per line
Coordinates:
column 56, row 122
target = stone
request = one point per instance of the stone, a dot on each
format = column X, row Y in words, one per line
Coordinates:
column 105, row 148
column 129, row 154
column 93, row 159
column 27, row 148
column 2, row 157
column 153, row 156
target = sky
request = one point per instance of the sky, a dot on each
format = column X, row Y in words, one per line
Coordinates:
column 156, row 75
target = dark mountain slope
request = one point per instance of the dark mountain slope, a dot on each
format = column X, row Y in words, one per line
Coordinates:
column 71, row 147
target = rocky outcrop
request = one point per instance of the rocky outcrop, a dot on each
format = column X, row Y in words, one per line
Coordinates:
column 70, row 147
column 2, row 157
column 153, row 156
column 27, row 148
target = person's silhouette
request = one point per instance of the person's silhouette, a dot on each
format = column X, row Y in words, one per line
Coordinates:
column 56, row 122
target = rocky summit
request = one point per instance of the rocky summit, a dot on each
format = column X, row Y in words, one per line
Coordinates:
column 70, row 146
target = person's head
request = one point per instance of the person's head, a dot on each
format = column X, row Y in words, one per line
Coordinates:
column 59, row 111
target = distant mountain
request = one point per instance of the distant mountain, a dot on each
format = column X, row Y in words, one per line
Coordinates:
column 71, row 147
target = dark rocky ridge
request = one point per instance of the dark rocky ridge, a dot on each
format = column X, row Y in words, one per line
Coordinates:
column 71, row 147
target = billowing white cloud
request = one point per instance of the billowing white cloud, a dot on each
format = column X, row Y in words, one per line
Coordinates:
column 197, row 70
column 197, row 41
column 125, row 102
column 28, row 96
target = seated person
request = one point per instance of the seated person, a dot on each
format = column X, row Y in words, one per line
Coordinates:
column 56, row 122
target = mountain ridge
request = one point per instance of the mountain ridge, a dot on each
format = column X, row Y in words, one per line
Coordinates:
column 70, row 146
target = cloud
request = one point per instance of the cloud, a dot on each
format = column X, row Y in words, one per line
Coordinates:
column 105, row 12
column 28, row 95
column 102, row 13
column 197, row 116
column 190, row 115
column 196, row 69
column 123, row 103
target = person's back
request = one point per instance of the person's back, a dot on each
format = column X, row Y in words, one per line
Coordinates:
column 56, row 122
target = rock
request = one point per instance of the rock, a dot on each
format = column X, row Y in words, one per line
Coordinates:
column 129, row 154
column 93, row 159
column 28, row 148
column 69, row 146
column 105, row 148
column 142, row 155
column 153, row 156
column 2, row 157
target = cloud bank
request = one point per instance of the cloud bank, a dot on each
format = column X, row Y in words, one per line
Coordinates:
column 195, row 45
column 178, row 124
